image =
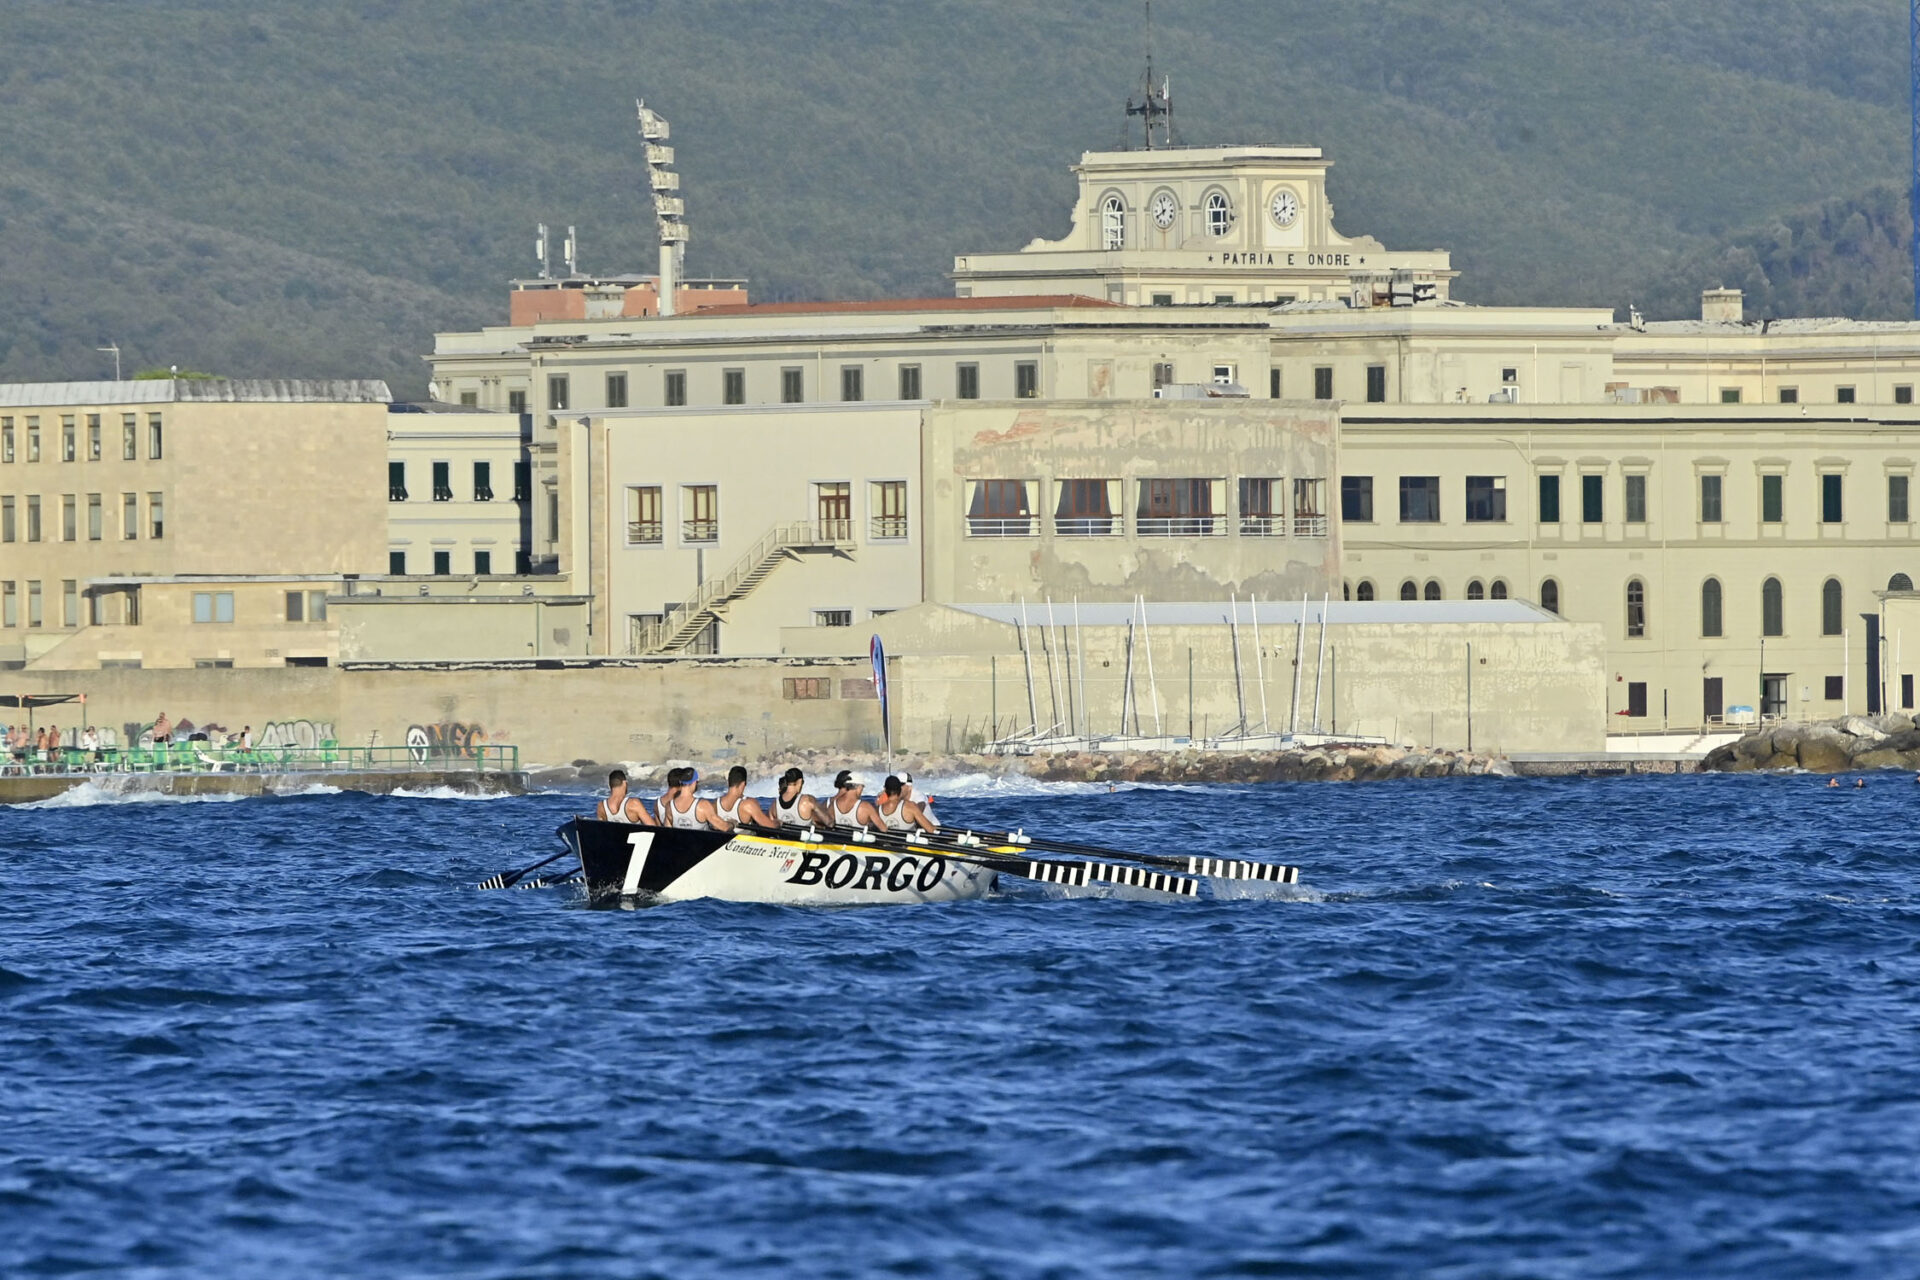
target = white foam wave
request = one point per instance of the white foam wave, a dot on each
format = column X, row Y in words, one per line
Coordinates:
column 311, row 789
column 446, row 793
column 994, row 786
column 91, row 794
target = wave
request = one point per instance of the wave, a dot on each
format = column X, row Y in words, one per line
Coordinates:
column 90, row 794
column 447, row 793
column 995, row 786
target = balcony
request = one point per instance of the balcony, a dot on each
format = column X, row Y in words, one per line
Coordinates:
column 833, row 529
column 1000, row 526
column 1263, row 526
column 1309, row 526
column 644, row 533
column 887, row 528
column 1181, row 526
column 1086, row 526
column 700, row 531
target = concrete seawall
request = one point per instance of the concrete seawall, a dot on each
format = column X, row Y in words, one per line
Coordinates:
column 29, row 788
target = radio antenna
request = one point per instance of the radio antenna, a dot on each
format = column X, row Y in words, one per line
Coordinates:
column 1155, row 107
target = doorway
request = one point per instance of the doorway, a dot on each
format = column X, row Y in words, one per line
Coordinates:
column 1773, row 695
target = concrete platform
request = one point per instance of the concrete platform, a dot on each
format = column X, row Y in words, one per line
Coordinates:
column 1599, row 764
column 25, row 789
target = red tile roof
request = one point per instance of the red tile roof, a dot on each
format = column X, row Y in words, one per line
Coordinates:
column 1021, row 302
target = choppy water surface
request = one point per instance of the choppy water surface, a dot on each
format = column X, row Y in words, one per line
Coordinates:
column 1642, row 1027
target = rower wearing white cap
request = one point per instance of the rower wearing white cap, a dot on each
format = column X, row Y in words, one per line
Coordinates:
column 897, row 811
column 848, row 808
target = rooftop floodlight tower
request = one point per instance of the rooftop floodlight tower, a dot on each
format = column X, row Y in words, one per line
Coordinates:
column 1155, row 107
column 669, row 209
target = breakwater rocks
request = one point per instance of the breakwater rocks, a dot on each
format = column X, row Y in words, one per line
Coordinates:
column 1332, row 763
column 1823, row 746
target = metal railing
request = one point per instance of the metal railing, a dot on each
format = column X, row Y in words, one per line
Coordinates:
column 799, row 533
column 834, row 529
column 1087, row 526
column 1000, row 526
column 700, row 531
column 1181, row 526
column 887, row 527
column 1309, row 526
column 198, row 757
column 644, row 532
column 1263, row 526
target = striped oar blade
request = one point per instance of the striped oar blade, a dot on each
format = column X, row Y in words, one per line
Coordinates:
column 1236, row 869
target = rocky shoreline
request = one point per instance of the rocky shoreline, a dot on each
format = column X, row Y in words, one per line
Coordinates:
column 1823, row 746
column 1334, row 763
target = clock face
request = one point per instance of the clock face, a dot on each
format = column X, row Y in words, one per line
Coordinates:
column 1164, row 210
column 1285, row 207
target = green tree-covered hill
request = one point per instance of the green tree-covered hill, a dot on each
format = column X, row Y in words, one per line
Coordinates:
column 266, row 187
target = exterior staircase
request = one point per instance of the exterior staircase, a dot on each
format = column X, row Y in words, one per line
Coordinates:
column 686, row 620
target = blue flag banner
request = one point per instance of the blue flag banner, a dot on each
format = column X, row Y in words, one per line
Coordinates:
column 879, row 656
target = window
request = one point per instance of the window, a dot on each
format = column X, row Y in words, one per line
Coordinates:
column 645, row 523
column 1789, row 395
column 806, row 688
column 553, row 514
column 1509, row 377
column 1710, row 505
column 33, row 517
column 1903, row 394
column 1836, row 688
column 833, row 617
column 1260, row 507
column 1550, row 596
column 909, row 382
column 95, row 520
column 1409, row 590
column 673, row 388
column 1219, row 214
column 1772, row 502
column 1162, row 299
column 522, row 481
column 1309, row 507
column 1636, row 495
column 1636, row 609
column 1364, row 591
column 616, row 391
column 443, row 482
column 34, row 618
column 1222, row 299
column 296, row 606
column 1710, row 620
column 1419, row 499
column 6, row 439
column 1356, row 499
column 129, row 516
column 999, row 508
column 1273, row 384
column 1225, row 374
column 1899, row 582
column 1113, row 227
column 1376, row 384
column 699, row 513
column 1637, row 699
column 33, row 439
column 733, row 386
column 1832, row 608
column 1906, row 686
column 156, row 516
column 557, row 392
column 397, row 563
column 966, row 382
column 396, row 482
column 851, row 382
column 1026, row 380
column 1476, row 590
column 1498, row 591
column 68, row 447
column 70, row 603
column 7, row 530
column 129, row 436
column 833, row 510
column 1844, row 395
column 1773, row 612
column 442, row 563
column 9, row 605
column 1180, row 508
column 1323, row 382
column 1592, row 499
column 1486, row 499
column 483, row 482
column 482, row 563
column 1897, row 499
column 1549, row 499
column 1433, row 590
column 1162, row 374
column 1830, row 512
column 1730, row 395
column 211, row 664
column 213, row 606
column 93, row 437
column 1713, row 703
column 516, row 402
column 470, row 399
column 153, row 436
column 887, row 509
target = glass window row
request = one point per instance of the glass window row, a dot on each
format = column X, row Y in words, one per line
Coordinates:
column 77, row 437
column 1163, row 507
column 1484, row 498
column 74, row 517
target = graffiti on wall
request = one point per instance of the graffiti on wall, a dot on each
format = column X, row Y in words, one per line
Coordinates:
column 294, row 733
column 445, row 740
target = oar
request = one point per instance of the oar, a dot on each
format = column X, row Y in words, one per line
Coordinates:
column 506, row 879
column 1220, row 868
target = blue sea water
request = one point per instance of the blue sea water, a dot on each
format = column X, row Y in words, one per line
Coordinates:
column 1647, row 1027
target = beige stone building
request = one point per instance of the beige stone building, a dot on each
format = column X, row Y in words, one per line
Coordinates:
column 459, row 493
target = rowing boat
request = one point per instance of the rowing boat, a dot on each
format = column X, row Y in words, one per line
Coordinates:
column 790, row 866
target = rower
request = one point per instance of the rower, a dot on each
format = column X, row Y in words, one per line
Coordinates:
column 847, row 807
column 895, row 811
column 735, row 807
column 920, row 812
column 793, row 807
column 697, row 815
column 619, row 806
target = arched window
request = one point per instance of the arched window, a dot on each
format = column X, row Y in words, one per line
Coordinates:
column 1636, row 608
column 1899, row 582
column 1475, row 591
column 1832, row 608
column 1409, row 590
column 1710, row 623
column 1113, row 223
column 1219, row 214
column 1433, row 589
column 1499, row 589
column 1346, row 590
column 1773, row 613
column 1365, row 591
column 1550, row 596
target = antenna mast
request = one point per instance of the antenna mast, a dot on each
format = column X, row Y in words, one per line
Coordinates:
column 670, row 209
column 1155, row 107
column 540, row 249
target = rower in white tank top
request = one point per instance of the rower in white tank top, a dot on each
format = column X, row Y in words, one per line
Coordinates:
column 686, row 819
